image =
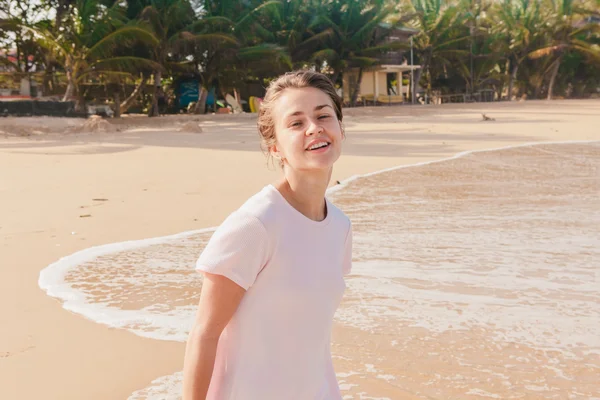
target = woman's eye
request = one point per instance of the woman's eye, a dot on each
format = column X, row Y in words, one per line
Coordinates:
column 324, row 116
column 295, row 124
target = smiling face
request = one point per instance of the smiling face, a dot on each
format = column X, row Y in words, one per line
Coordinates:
column 308, row 133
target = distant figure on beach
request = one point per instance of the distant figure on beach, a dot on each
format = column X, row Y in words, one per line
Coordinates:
column 274, row 270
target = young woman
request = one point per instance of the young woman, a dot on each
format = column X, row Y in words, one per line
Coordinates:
column 274, row 270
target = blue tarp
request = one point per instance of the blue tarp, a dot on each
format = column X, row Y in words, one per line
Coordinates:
column 188, row 92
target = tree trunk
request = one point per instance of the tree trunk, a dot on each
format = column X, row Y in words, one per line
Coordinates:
column 18, row 54
column 117, row 97
column 54, row 81
column 124, row 106
column 502, row 86
column 357, row 88
column 47, row 79
column 200, row 107
column 419, row 74
column 70, row 85
column 553, row 77
column 511, row 80
column 80, row 102
column 154, row 111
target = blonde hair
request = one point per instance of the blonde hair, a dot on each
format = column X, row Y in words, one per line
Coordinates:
column 291, row 80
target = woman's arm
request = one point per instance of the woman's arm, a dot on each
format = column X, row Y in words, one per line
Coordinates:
column 219, row 299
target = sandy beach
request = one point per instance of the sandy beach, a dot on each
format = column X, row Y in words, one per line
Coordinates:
column 63, row 190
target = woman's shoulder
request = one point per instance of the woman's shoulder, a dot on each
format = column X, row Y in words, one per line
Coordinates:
column 251, row 218
column 260, row 206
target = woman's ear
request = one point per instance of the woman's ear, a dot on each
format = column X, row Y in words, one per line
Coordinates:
column 275, row 152
column 277, row 155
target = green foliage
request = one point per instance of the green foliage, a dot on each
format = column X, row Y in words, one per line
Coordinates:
column 514, row 47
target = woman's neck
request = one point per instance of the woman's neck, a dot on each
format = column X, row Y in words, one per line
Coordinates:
column 306, row 192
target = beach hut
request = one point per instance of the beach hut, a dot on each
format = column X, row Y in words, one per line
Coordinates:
column 388, row 82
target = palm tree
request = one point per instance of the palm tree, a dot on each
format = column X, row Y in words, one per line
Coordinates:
column 441, row 27
column 355, row 35
column 86, row 45
column 518, row 25
column 288, row 25
column 169, row 21
column 228, row 44
column 568, row 31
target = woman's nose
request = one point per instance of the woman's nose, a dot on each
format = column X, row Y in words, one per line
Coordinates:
column 314, row 128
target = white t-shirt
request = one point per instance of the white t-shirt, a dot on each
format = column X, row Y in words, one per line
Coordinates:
column 277, row 344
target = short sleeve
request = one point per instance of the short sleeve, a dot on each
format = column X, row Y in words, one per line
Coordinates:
column 347, row 266
column 237, row 250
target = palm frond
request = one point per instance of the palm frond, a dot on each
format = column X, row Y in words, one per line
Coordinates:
column 368, row 29
column 447, row 53
column 317, row 38
column 49, row 41
column 243, row 23
column 126, row 64
column 321, row 20
column 216, row 21
column 450, row 42
column 111, row 75
column 99, row 22
column 592, row 52
column 363, row 61
column 122, row 38
column 10, row 24
column 181, row 66
column 386, row 47
column 265, row 51
column 202, row 38
column 325, row 54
